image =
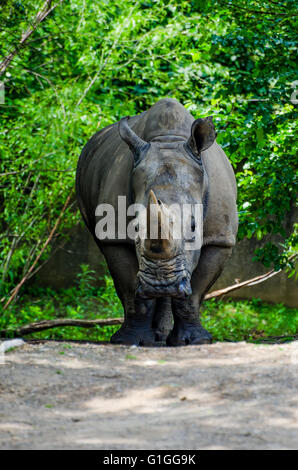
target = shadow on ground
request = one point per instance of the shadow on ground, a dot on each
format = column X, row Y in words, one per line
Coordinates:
column 87, row 396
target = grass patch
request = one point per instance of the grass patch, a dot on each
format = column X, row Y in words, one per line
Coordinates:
column 82, row 301
column 131, row 357
column 247, row 320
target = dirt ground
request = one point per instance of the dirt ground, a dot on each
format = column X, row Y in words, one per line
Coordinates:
column 99, row 396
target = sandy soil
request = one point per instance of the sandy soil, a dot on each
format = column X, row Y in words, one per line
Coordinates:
column 86, row 396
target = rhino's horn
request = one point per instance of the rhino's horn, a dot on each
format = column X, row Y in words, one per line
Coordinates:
column 157, row 222
column 135, row 143
column 152, row 205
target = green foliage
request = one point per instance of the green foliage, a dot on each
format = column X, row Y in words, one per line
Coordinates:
column 82, row 301
column 131, row 357
column 250, row 320
column 90, row 63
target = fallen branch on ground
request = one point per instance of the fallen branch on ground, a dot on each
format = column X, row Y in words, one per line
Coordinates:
column 47, row 324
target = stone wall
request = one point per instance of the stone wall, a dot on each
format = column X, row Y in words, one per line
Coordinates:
column 63, row 266
column 278, row 289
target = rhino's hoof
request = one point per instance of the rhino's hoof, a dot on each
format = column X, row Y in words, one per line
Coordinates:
column 188, row 334
column 132, row 335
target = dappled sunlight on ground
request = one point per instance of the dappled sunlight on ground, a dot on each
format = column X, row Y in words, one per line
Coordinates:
column 220, row 396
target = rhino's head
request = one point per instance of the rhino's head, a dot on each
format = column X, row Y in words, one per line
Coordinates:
column 169, row 180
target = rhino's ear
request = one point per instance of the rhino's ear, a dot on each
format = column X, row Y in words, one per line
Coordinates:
column 135, row 143
column 202, row 135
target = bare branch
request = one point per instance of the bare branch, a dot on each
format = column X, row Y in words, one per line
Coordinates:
column 248, row 283
column 41, row 15
column 17, row 288
column 46, row 324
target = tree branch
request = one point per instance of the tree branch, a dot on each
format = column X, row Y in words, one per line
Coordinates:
column 46, row 324
column 248, row 283
column 41, row 15
column 17, row 288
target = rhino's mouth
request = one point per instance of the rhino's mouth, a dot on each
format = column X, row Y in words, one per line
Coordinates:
column 163, row 278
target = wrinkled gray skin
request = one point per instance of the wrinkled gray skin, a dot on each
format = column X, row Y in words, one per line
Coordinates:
column 162, row 154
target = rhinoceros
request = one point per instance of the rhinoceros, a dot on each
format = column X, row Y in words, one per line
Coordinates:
column 159, row 159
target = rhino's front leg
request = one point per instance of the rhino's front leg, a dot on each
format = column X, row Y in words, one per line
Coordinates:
column 187, row 326
column 137, row 326
column 138, row 313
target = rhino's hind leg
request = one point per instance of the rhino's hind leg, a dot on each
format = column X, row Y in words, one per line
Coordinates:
column 163, row 319
column 187, row 326
column 138, row 313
